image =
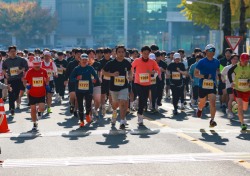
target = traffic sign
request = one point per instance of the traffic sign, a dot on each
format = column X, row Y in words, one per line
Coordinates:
column 233, row 41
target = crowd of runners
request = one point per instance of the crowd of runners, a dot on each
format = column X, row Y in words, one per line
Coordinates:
column 124, row 80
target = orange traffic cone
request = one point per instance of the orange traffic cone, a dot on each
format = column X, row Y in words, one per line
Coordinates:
column 3, row 121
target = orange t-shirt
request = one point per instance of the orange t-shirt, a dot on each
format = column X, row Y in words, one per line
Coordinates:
column 142, row 68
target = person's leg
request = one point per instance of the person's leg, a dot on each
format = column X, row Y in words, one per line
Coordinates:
column 33, row 113
column 175, row 96
column 212, row 102
column 153, row 90
column 160, row 88
column 79, row 97
column 88, row 102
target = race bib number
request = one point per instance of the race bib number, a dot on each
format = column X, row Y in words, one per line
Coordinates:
column 83, row 85
column 37, row 82
column 60, row 71
column 144, row 77
column 106, row 77
column 153, row 80
column 243, row 84
column 208, row 84
column 176, row 76
column 13, row 71
column 50, row 73
column 119, row 81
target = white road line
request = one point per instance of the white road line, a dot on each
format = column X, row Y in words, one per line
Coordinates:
column 81, row 133
column 126, row 159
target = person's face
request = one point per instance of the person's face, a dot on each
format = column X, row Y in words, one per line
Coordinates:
column 158, row 58
column 145, row 54
column 91, row 55
column 210, row 52
column 244, row 63
column 12, row 53
column 47, row 58
column 60, row 57
column 182, row 54
column 113, row 53
column 234, row 60
column 83, row 62
column 120, row 54
column 31, row 58
column 177, row 60
column 171, row 56
column 78, row 55
column 107, row 56
column 228, row 55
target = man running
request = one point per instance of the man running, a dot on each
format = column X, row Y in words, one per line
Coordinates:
column 241, row 85
column 207, row 70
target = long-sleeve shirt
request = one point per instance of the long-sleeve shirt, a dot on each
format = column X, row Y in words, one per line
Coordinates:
column 142, row 76
column 191, row 73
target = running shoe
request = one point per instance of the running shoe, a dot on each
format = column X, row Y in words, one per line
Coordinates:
column 35, row 126
column 122, row 127
column 212, row 123
column 244, row 127
column 175, row 112
column 39, row 115
column 88, row 119
column 140, row 119
column 18, row 106
column 198, row 113
column 82, row 124
column 230, row 115
column 12, row 112
column 153, row 111
column 49, row 110
column 95, row 112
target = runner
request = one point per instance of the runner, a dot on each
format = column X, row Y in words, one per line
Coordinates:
column 99, row 54
column 169, row 60
column 119, row 70
column 37, row 82
column 51, row 69
column 13, row 68
column 206, row 70
column 144, row 68
column 177, row 71
column 241, row 85
column 81, row 75
column 61, row 65
column 71, row 84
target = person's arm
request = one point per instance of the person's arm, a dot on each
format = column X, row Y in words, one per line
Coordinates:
column 134, row 64
column 182, row 70
column 73, row 75
column 230, row 72
column 106, row 71
column 191, row 72
column 54, row 69
column 157, row 68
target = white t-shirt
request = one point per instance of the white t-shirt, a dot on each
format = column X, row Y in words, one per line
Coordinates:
column 224, row 75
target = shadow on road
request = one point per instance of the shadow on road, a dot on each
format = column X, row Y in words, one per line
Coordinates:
column 25, row 136
column 245, row 135
column 213, row 137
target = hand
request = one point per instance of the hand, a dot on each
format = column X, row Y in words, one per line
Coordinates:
column 9, row 88
column 130, row 78
column 178, row 69
column 47, row 88
column 19, row 71
column 100, row 80
column 116, row 73
column 207, row 76
column 79, row 77
column 94, row 81
column 28, row 86
column 65, row 83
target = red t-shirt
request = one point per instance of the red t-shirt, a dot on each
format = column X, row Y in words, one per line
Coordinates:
column 37, row 79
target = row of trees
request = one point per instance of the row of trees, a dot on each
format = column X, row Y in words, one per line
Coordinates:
column 235, row 13
column 26, row 21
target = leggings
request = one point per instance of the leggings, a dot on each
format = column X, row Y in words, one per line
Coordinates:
column 88, row 101
column 143, row 92
column 176, row 94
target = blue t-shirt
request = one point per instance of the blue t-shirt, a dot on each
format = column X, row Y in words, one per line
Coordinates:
column 207, row 67
column 85, row 85
column 191, row 73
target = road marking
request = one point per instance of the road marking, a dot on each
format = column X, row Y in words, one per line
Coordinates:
column 82, row 133
column 210, row 148
column 126, row 159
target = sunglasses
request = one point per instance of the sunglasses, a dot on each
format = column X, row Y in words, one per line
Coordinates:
column 211, row 50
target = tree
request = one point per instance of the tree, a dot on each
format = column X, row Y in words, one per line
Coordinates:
column 26, row 21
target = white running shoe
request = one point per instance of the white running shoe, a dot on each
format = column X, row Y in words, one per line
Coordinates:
column 140, row 119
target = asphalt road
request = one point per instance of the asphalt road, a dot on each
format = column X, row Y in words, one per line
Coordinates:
column 166, row 145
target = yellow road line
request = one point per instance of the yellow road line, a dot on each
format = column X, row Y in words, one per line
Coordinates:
column 200, row 143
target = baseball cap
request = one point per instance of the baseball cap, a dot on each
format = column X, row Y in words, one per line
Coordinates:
column 84, row 56
column 152, row 56
column 244, row 57
column 46, row 53
column 209, row 46
column 177, row 55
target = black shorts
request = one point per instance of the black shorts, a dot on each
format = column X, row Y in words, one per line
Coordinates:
column 204, row 92
column 221, row 87
column 36, row 100
column 105, row 87
column 71, row 87
column 195, row 92
column 167, row 82
column 229, row 91
column 52, row 87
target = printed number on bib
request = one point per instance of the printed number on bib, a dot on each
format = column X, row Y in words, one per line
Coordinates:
column 37, row 82
column 50, row 73
column 83, row 85
column 243, row 84
column 60, row 71
column 13, row 71
column 119, row 81
column 144, row 77
column 106, row 77
column 208, row 84
column 176, row 75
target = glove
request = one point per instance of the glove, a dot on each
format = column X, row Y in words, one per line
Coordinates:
column 28, row 87
column 47, row 88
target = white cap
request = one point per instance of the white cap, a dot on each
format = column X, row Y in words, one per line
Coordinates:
column 84, row 56
column 177, row 55
column 152, row 56
column 209, row 46
column 46, row 53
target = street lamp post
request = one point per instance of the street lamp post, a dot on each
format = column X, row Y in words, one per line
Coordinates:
column 218, row 5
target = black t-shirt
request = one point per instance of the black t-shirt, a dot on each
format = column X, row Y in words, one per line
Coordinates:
column 60, row 71
column 224, row 62
column 163, row 65
column 103, row 62
column 97, row 67
column 176, row 78
column 120, row 82
column 191, row 61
